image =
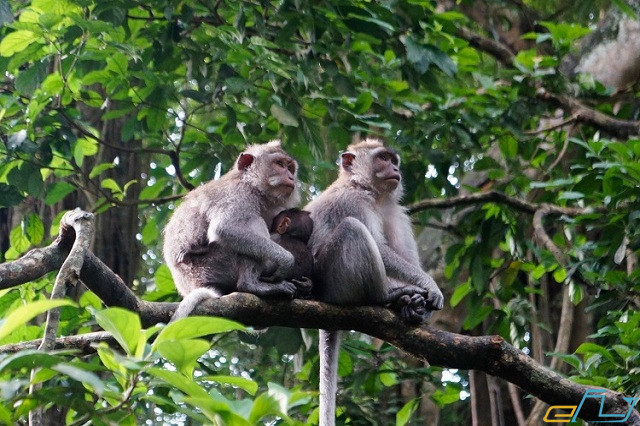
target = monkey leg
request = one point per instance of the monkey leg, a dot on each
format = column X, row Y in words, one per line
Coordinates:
column 351, row 266
column 249, row 282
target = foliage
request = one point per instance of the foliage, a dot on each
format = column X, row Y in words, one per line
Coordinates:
column 155, row 371
column 183, row 86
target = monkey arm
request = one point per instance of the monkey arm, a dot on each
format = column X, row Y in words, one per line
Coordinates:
column 402, row 270
column 248, row 242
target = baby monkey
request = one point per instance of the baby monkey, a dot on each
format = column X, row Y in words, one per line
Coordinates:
column 291, row 229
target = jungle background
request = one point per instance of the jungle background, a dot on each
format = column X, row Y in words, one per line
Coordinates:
column 517, row 125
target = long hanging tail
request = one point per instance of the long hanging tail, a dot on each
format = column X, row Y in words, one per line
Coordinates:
column 329, row 352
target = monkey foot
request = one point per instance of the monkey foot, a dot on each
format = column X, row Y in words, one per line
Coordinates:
column 303, row 287
column 413, row 308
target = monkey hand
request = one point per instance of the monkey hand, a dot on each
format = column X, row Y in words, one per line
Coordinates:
column 281, row 271
column 303, row 287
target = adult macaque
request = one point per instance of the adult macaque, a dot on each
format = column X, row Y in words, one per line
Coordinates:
column 217, row 240
column 365, row 251
column 292, row 229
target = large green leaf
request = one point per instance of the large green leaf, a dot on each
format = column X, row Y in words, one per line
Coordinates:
column 196, row 326
column 124, row 325
column 16, row 41
column 27, row 312
column 183, row 353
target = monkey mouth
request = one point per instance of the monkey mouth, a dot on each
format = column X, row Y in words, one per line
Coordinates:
column 394, row 178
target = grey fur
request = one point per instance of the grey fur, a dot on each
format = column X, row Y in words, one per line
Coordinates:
column 365, row 253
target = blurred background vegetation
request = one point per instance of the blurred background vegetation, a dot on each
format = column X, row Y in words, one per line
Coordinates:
column 120, row 107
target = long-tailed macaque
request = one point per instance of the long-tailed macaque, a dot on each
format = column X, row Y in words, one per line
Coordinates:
column 292, row 229
column 365, row 251
column 218, row 241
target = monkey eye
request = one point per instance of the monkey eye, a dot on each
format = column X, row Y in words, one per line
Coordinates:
column 388, row 156
column 292, row 167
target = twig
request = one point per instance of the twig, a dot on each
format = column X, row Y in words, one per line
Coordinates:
column 82, row 342
column 498, row 50
column 554, row 127
column 498, row 197
column 562, row 152
column 82, row 224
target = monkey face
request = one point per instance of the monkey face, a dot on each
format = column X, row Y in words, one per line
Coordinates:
column 282, row 173
column 385, row 167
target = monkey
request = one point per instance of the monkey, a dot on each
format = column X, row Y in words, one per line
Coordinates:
column 292, row 229
column 217, row 240
column 364, row 250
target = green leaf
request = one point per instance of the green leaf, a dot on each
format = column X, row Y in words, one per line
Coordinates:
column 404, row 415
column 99, row 168
column 626, row 353
column 538, row 272
column 575, row 292
column 421, row 57
column 345, row 364
column 29, row 359
column 363, row 103
column 124, row 325
column 82, row 376
column 560, row 275
column 180, row 382
column 150, row 232
column 9, row 196
column 164, row 280
column 247, row 385
column 476, row 316
column 34, row 229
column 84, row 147
column 112, row 185
column 508, row 146
column 27, row 312
column 387, row 377
column 264, row 405
column 184, row 353
column 283, row 116
column 196, row 326
column 53, row 84
column 57, row 191
column 591, row 348
column 459, row 293
column 16, row 41
column 18, row 240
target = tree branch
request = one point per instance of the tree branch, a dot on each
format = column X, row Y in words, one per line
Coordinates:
column 576, row 109
column 498, row 197
column 490, row 354
column 587, row 115
column 493, row 47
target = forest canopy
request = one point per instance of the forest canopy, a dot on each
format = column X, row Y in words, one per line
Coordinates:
column 517, row 125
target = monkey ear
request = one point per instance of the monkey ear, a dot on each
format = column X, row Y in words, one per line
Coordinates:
column 244, row 161
column 283, row 225
column 347, row 159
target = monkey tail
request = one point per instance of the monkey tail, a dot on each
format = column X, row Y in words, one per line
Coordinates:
column 329, row 353
column 192, row 300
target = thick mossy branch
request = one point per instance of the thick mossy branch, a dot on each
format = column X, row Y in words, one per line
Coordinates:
column 490, row 354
